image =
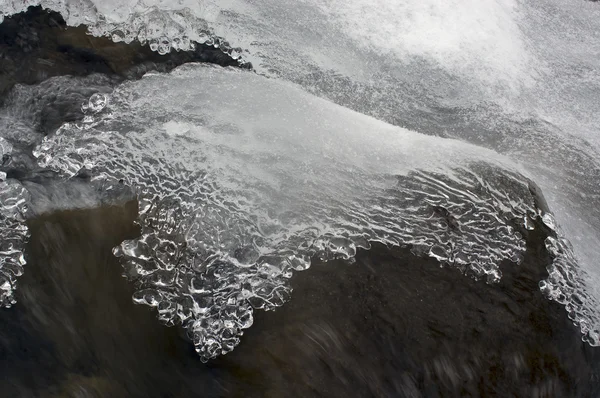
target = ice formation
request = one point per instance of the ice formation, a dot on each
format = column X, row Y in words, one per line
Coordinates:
column 13, row 231
column 235, row 194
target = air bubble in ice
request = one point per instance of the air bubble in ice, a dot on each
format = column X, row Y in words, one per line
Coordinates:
column 117, row 35
column 164, row 46
column 549, row 221
column 95, row 104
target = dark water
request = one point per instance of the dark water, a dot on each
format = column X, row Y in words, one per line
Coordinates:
column 389, row 325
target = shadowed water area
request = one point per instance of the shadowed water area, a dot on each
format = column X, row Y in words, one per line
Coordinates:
column 390, row 324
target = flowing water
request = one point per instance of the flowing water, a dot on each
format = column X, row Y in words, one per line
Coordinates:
column 421, row 124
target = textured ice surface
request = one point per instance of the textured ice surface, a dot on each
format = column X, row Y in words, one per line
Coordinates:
column 567, row 284
column 241, row 179
column 13, row 231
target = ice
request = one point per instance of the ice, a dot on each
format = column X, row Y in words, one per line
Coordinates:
column 13, row 231
column 242, row 179
column 163, row 25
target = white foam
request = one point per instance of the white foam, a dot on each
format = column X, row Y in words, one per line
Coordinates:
column 476, row 37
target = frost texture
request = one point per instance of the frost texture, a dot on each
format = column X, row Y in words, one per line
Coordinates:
column 237, row 193
column 13, row 231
